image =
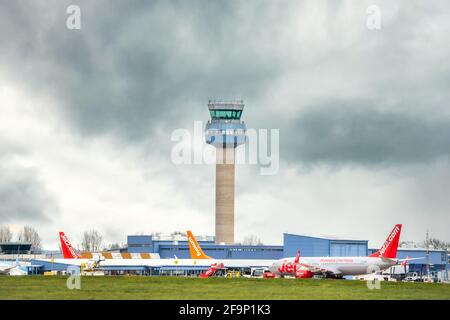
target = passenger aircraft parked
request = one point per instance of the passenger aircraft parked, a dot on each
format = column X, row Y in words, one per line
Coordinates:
column 199, row 260
column 13, row 268
column 307, row 267
column 6, row 267
column 296, row 266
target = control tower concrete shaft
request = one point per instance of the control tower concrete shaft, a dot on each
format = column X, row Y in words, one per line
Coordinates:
column 225, row 131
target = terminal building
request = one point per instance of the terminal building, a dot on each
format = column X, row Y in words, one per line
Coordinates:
column 179, row 248
column 10, row 251
column 308, row 245
column 15, row 248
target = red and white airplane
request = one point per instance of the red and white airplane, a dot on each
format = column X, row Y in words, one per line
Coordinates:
column 337, row 267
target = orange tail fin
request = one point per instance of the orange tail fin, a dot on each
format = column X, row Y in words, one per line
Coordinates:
column 67, row 250
column 390, row 246
column 194, row 247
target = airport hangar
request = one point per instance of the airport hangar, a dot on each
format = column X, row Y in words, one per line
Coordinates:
column 311, row 246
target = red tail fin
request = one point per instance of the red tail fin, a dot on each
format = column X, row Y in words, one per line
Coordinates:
column 67, row 250
column 389, row 248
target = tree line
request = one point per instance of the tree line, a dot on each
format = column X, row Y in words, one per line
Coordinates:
column 92, row 240
column 27, row 234
column 433, row 243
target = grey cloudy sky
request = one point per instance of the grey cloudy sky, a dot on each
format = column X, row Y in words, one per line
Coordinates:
column 87, row 115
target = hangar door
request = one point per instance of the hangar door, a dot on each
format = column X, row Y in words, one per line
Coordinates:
column 342, row 249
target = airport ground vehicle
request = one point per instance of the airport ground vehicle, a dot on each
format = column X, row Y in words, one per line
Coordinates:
column 338, row 267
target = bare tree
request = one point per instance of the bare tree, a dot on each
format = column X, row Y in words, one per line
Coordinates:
column 92, row 241
column 29, row 234
column 156, row 235
column 5, row 234
column 252, row 240
column 433, row 243
column 408, row 244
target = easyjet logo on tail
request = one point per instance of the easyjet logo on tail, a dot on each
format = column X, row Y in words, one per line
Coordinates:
column 194, row 248
column 389, row 248
column 67, row 249
column 389, row 240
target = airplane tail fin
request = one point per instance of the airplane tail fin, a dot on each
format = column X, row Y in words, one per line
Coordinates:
column 194, row 248
column 67, row 250
column 390, row 246
column 405, row 262
column 297, row 258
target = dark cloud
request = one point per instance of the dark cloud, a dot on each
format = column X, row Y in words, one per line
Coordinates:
column 141, row 69
column 135, row 67
column 23, row 197
column 343, row 135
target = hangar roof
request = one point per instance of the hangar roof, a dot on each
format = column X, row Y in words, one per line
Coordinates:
column 325, row 237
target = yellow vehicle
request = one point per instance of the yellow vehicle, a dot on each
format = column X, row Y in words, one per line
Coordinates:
column 233, row 274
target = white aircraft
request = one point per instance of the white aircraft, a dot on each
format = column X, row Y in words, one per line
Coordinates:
column 5, row 267
column 337, row 267
column 13, row 269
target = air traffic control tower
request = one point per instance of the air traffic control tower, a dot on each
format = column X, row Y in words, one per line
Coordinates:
column 225, row 131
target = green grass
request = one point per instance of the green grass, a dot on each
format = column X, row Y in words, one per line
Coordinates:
column 41, row 287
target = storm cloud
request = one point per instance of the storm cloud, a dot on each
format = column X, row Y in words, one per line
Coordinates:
column 342, row 135
column 136, row 67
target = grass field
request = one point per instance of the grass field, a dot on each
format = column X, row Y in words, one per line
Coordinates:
column 40, row 287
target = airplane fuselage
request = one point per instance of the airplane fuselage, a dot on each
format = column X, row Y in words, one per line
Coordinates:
column 341, row 266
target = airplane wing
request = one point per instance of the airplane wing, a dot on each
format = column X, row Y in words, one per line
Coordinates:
column 410, row 259
column 401, row 261
column 6, row 270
